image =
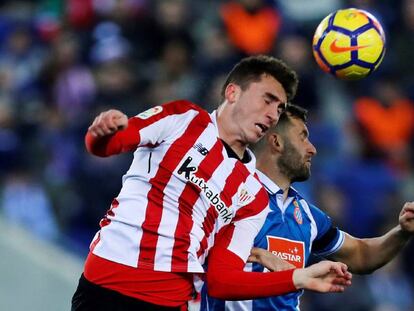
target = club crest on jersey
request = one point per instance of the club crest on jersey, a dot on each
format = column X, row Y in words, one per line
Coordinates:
column 297, row 214
column 186, row 169
column 243, row 196
column 150, row 112
column 291, row 251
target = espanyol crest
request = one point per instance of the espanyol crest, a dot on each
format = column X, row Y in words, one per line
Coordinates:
column 297, row 214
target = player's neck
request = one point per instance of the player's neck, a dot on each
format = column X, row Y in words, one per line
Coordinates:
column 228, row 135
column 283, row 183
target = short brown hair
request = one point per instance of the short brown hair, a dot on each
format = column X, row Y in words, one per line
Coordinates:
column 251, row 69
column 291, row 111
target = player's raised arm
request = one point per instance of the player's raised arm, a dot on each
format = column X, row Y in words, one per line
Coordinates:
column 112, row 132
column 100, row 139
column 367, row 255
column 108, row 122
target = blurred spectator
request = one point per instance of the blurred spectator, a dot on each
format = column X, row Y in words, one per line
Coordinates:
column 252, row 25
column 355, row 298
column 404, row 43
column 25, row 202
column 69, row 84
column 367, row 185
column 172, row 77
column 296, row 51
column 304, row 13
column 21, row 60
column 387, row 122
column 391, row 289
column 80, row 13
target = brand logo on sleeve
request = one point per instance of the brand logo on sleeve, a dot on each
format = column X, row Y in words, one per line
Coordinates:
column 291, row 251
column 150, row 112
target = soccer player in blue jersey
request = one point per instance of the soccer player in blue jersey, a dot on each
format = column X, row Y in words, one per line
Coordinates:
column 295, row 228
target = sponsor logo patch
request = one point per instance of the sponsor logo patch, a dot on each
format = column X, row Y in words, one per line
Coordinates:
column 150, row 112
column 226, row 213
column 289, row 250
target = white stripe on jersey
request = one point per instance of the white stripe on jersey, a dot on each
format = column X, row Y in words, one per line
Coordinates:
column 314, row 228
column 169, row 221
column 243, row 305
column 167, row 128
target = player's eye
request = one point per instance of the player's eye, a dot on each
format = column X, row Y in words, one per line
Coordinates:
column 281, row 107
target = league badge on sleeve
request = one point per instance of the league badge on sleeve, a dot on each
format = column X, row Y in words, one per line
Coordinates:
column 150, row 112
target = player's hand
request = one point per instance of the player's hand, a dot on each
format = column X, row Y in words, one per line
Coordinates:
column 268, row 260
column 108, row 122
column 324, row 277
column 406, row 218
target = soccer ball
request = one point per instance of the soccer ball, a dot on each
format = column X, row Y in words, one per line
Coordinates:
column 349, row 43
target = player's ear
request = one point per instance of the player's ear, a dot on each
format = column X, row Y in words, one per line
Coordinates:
column 232, row 92
column 276, row 142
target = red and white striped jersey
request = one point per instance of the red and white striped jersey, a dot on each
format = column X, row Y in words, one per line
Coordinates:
column 181, row 189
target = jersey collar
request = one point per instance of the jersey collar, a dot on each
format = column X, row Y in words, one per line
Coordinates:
column 271, row 187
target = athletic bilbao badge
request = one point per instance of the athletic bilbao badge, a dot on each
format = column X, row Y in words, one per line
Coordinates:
column 243, row 196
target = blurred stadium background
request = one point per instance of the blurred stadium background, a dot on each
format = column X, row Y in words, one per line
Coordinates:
column 62, row 62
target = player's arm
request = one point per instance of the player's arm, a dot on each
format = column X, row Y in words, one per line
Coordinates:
column 112, row 132
column 104, row 136
column 227, row 280
column 366, row 255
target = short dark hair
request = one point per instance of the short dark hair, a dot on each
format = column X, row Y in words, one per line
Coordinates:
column 291, row 111
column 251, row 69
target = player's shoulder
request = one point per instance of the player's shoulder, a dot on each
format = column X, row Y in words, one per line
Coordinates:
column 182, row 106
column 311, row 208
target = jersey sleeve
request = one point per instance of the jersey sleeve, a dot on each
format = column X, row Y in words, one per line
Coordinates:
column 329, row 238
column 247, row 223
column 227, row 280
column 149, row 128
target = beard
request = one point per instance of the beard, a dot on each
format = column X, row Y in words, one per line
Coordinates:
column 292, row 164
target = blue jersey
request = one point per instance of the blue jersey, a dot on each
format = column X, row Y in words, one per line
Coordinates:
column 292, row 231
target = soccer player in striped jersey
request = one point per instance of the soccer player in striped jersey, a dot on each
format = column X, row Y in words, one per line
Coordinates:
column 191, row 191
column 295, row 228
